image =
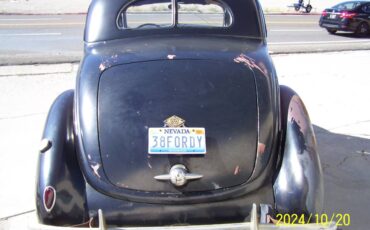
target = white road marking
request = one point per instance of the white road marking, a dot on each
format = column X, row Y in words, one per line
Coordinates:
column 292, row 22
column 298, row 30
column 30, row 19
column 32, row 34
column 286, row 15
column 318, row 42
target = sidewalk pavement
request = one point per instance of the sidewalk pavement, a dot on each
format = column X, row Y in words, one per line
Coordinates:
column 28, row 70
column 293, row 71
column 81, row 6
column 43, row 6
column 334, row 87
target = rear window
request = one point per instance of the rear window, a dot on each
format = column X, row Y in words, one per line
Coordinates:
column 347, row 6
column 212, row 14
column 147, row 14
column 156, row 14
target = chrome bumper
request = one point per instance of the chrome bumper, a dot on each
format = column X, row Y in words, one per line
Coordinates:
column 252, row 225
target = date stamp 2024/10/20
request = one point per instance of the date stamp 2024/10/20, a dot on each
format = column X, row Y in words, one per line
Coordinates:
column 340, row 219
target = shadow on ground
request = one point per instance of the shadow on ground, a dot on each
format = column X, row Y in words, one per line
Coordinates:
column 346, row 162
column 350, row 35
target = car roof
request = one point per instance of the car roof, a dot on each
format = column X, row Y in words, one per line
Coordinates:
column 102, row 16
column 360, row 1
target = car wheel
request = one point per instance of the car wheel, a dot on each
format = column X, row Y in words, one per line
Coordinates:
column 363, row 29
column 308, row 8
column 331, row 31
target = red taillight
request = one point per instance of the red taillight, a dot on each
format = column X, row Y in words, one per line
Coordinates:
column 49, row 198
column 347, row 15
column 324, row 13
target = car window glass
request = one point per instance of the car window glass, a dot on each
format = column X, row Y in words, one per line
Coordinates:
column 346, row 6
column 144, row 14
column 366, row 8
column 356, row 4
column 203, row 14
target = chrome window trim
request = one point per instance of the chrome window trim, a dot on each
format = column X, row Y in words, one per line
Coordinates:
column 175, row 17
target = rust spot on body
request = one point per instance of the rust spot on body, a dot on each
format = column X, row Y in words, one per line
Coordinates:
column 236, row 170
column 171, row 56
column 102, row 67
column 261, row 148
column 95, row 168
column 105, row 65
column 250, row 63
column 271, row 220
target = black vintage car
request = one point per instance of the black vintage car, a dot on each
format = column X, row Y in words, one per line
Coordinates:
column 352, row 16
column 177, row 119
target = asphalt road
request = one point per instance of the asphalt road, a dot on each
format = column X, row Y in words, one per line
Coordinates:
column 58, row 38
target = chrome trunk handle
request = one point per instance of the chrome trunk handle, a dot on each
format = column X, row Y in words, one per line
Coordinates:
column 178, row 176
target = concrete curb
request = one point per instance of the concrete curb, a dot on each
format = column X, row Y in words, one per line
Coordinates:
column 39, row 69
column 25, row 64
column 71, row 67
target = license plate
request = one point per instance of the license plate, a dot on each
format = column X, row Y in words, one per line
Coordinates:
column 177, row 141
column 330, row 26
column 333, row 16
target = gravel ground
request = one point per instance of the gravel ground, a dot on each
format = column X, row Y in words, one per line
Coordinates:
column 334, row 86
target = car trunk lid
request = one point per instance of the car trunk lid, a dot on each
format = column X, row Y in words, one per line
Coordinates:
column 336, row 16
column 215, row 95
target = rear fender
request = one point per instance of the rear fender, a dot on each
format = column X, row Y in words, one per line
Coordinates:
column 298, row 187
column 60, row 186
